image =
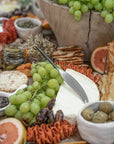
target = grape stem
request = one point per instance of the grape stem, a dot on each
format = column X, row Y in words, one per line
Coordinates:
column 37, row 91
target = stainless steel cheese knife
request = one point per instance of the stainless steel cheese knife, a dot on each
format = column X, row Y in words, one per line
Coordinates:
column 74, row 84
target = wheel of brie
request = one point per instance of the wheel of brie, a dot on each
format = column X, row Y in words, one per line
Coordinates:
column 69, row 101
column 12, row 80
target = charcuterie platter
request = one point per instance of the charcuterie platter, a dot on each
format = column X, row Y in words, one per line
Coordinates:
column 49, row 92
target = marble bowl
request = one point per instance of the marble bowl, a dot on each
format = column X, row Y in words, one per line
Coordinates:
column 95, row 133
column 25, row 32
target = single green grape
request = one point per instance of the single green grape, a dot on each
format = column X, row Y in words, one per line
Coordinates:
column 49, row 67
column 20, row 91
column 104, row 13
column 71, row 3
column 36, row 85
column 37, row 101
column 90, row 5
column 28, row 116
column 62, row 1
column 12, row 99
column 53, row 73
column 94, row 2
column 11, row 110
column 30, row 88
column 77, row 13
column 84, row 8
column 72, row 10
column 109, row 4
column 44, row 101
column 33, row 66
column 33, row 71
column 27, row 94
column 59, row 79
column 42, row 71
column 35, row 108
column 98, row 7
column 42, row 64
column 108, row 18
column 19, row 115
column 37, row 77
column 25, row 107
column 20, row 99
column 50, row 92
column 52, row 83
column 77, row 5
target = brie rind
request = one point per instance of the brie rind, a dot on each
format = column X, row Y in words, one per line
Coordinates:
column 69, row 101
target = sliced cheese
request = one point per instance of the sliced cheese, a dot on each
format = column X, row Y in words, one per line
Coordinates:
column 69, row 101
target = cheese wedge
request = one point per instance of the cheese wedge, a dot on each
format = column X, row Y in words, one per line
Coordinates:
column 69, row 101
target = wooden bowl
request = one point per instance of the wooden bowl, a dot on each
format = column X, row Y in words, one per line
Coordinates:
column 36, row 10
column 89, row 33
column 95, row 133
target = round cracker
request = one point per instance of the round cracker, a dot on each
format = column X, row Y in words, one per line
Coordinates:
column 12, row 80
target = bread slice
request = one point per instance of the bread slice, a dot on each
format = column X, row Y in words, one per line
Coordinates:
column 67, row 55
column 106, row 87
column 12, row 80
column 109, row 90
column 111, row 57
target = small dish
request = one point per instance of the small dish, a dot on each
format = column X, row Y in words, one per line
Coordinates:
column 95, row 133
column 2, row 110
column 25, row 32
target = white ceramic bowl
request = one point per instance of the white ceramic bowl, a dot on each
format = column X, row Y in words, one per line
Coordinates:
column 95, row 133
column 25, row 32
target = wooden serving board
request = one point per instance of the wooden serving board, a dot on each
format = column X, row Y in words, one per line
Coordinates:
column 89, row 33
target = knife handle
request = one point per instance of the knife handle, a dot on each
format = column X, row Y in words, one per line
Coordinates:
column 46, row 57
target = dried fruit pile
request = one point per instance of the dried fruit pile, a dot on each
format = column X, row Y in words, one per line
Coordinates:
column 9, row 33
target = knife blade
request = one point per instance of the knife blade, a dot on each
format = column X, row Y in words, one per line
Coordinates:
column 73, row 83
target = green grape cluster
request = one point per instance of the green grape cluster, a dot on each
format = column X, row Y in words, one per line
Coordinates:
column 28, row 102
column 78, row 7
